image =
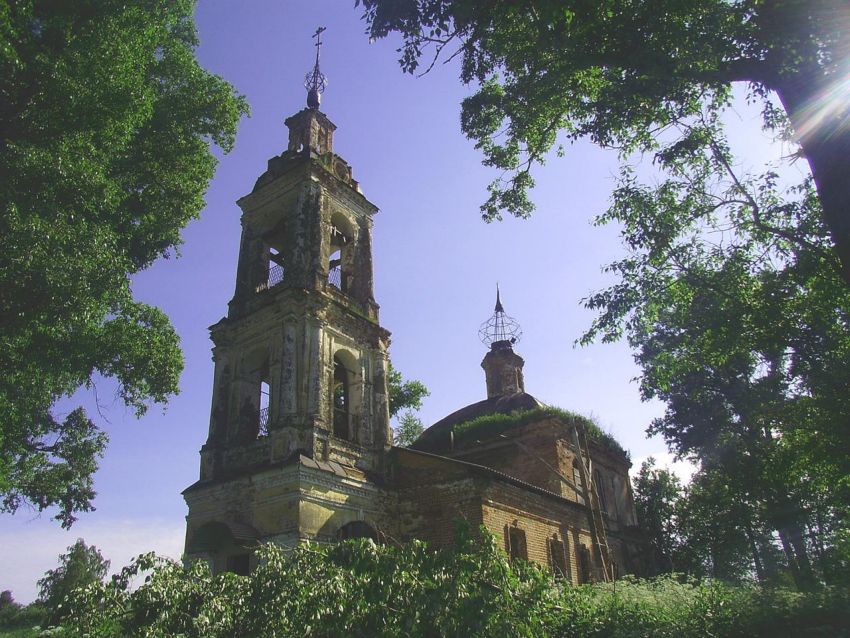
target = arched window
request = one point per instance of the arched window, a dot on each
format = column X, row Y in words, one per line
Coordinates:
column 515, row 543
column 558, row 557
column 341, row 400
column 340, row 261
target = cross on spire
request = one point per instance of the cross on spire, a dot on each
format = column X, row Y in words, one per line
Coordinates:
column 315, row 81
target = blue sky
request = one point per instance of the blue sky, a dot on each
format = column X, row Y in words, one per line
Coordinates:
column 436, row 267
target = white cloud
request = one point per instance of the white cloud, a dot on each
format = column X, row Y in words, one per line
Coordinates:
column 31, row 548
column 684, row 469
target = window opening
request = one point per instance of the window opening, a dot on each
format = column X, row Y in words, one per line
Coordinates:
column 336, row 274
column 584, row 564
column 558, row 555
column 335, row 271
column 517, row 548
column 275, row 268
column 341, row 401
column 264, row 408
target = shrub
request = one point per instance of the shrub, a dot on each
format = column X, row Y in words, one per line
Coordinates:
column 358, row 588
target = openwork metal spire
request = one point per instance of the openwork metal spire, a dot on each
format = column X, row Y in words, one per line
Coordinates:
column 499, row 331
column 315, row 81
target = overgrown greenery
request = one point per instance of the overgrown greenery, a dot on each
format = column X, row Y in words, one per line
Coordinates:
column 80, row 567
column 106, row 128
column 404, row 394
column 357, row 588
column 18, row 621
column 408, row 429
column 494, row 424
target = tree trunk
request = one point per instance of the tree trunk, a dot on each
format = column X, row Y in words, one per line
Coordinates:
column 756, row 559
column 817, row 110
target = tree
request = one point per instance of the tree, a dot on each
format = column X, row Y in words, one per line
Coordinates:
column 404, row 394
column 731, row 298
column 408, row 430
column 106, row 124
column 619, row 72
column 656, row 494
column 80, row 567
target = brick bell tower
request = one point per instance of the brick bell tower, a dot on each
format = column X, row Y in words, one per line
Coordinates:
column 300, row 411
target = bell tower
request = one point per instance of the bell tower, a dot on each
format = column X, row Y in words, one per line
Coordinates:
column 300, row 359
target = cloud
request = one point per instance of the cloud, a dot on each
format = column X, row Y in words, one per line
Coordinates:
column 29, row 549
column 684, row 469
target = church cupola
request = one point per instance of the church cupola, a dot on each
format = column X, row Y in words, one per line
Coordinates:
column 310, row 130
column 502, row 366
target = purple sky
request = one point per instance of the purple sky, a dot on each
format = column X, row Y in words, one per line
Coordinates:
column 436, row 268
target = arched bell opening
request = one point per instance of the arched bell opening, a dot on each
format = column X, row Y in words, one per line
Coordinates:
column 345, row 390
column 341, row 400
column 272, row 270
column 341, row 258
column 254, row 394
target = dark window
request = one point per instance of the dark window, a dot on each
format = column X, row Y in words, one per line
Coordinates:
column 558, row 557
column 341, row 401
column 239, row 564
column 584, row 564
column 515, row 540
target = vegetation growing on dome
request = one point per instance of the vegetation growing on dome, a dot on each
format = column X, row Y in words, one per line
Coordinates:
column 494, row 424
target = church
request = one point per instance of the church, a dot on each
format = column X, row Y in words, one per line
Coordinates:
column 300, row 446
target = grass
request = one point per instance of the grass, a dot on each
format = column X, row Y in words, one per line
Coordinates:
column 495, row 424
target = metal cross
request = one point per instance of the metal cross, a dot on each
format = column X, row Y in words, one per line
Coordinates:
column 318, row 36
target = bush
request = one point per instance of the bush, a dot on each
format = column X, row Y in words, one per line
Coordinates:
column 17, row 617
column 358, row 588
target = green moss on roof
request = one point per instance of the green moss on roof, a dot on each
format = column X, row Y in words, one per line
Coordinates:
column 494, row 424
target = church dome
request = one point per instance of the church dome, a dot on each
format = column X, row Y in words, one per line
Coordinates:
column 439, row 437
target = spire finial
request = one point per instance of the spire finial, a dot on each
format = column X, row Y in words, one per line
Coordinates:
column 315, row 81
column 500, row 331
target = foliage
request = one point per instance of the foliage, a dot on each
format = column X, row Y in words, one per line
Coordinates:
column 20, row 621
column 622, row 73
column 656, row 494
column 404, row 394
column 408, row 429
column 106, row 134
column 80, row 567
column 495, row 424
column 358, row 588
column 736, row 309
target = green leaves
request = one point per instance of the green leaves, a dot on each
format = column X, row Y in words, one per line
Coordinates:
column 107, row 124
column 404, row 394
column 358, row 588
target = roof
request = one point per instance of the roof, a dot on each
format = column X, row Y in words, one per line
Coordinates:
column 438, row 434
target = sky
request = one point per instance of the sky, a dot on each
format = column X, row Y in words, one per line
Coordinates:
column 436, row 268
